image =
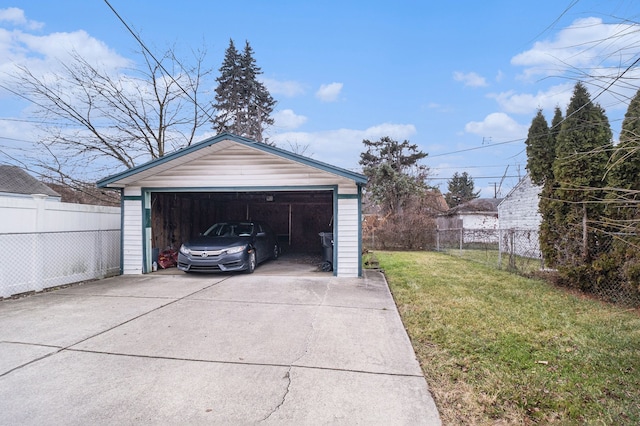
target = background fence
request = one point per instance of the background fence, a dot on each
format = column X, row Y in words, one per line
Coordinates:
column 36, row 261
column 517, row 251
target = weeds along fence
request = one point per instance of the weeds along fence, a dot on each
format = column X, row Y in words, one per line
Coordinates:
column 517, row 251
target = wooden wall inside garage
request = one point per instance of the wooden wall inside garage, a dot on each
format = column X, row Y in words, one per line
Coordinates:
column 297, row 217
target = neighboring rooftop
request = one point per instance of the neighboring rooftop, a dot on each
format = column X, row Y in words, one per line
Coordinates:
column 476, row 205
column 14, row 180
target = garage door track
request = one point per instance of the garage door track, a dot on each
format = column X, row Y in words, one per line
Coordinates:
column 211, row 349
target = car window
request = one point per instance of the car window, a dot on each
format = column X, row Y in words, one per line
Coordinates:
column 244, row 229
column 217, row 230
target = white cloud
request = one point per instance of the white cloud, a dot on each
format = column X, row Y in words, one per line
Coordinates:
column 528, row 103
column 329, row 92
column 342, row 147
column 587, row 44
column 287, row 119
column 44, row 54
column 16, row 16
column 497, row 125
column 470, row 79
column 287, row 89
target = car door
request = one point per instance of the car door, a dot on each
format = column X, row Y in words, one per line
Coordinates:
column 262, row 243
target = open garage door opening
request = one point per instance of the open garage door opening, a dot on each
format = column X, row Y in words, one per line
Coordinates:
column 297, row 217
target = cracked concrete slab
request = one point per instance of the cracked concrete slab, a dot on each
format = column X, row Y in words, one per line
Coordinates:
column 13, row 355
column 100, row 389
column 338, row 397
column 211, row 349
column 50, row 319
column 213, row 331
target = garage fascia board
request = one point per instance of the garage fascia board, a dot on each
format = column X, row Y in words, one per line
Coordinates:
column 184, row 155
column 243, row 188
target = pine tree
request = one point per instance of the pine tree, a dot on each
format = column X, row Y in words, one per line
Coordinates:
column 548, row 206
column 259, row 103
column 228, row 93
column 461, row 189
column 540, row 150
column 623, row 175
column 583, row 147
column 243, row 103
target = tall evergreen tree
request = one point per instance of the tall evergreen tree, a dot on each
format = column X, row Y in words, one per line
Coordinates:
column 556, row 124
column 243, row 103
column 583, row 146
column 460, row 189
column 540, row 160
column 624, row 173
column 540, row 150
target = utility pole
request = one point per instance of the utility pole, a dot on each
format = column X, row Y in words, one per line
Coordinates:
column 495, row 189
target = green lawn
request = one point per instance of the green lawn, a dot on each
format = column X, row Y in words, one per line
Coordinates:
column 497, row 348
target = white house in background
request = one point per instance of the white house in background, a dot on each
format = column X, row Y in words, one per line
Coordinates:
column 477, row 219
column 520, row 220
column 479, row 213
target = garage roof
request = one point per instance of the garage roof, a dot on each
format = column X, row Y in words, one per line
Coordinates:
column 215, row 144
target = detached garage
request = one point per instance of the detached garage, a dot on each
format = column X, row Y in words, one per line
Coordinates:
column 169, row 200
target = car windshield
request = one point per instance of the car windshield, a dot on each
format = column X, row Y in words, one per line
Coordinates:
column 240, row 229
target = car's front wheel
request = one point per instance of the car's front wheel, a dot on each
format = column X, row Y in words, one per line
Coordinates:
column 251, row 262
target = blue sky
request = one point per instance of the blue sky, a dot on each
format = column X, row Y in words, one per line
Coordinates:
column 461, row 79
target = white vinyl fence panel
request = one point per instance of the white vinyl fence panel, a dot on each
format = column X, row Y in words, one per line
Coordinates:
column 48, row 244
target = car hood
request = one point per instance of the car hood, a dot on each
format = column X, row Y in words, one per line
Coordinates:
column 215, row 243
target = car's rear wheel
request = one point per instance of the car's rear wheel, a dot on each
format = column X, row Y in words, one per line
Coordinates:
column 252, row 262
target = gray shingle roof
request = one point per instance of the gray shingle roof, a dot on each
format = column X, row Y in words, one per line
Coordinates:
column 14, row 180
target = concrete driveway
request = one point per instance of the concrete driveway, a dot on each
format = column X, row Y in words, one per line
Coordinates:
column 296, row 347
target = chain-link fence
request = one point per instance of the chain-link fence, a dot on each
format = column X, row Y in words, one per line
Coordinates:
column 512, row 249
column 36, row 261
column 612, row 277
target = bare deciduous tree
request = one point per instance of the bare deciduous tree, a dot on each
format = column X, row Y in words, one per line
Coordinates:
column 109, row 119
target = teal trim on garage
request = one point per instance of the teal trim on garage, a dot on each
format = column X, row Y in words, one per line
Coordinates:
column 334, row 262
column 132, row 198
column 349, row 196
column 360, row 230
column 122, row 198
column 146, row 211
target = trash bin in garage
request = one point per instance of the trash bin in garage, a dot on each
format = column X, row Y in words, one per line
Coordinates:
column 326, row 238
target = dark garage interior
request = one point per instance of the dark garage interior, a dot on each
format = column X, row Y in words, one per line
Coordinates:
column 296, row 216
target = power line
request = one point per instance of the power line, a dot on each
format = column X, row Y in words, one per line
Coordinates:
column 146, row 49
column 477, row 147
column 475, row 177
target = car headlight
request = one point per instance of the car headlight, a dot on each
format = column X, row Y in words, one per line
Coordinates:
column 236, row 249
column 184, row 250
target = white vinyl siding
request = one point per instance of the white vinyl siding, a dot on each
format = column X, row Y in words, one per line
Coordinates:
column 239, row 167
column 348, row 238
column 132, row 233
column 520, row 216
